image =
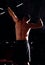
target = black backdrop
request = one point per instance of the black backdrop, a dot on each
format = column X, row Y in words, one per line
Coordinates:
column 7, row 31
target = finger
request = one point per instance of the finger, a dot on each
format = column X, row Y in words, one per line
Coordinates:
column 12, row 14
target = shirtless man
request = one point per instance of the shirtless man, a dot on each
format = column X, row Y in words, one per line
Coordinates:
column 22, row 27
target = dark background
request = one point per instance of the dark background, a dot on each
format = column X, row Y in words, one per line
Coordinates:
column 7, row 31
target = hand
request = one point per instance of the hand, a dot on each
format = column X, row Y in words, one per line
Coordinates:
column 12, row 14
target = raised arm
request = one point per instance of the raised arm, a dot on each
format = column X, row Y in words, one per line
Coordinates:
column 13, row 15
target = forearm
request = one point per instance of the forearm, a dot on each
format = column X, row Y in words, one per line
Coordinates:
column 35, row 26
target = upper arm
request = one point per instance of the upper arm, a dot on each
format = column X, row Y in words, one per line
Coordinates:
column 36, row 25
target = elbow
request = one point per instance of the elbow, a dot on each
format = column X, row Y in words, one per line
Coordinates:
column 41, row 23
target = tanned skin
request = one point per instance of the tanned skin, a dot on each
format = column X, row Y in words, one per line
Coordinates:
column 21, row 26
